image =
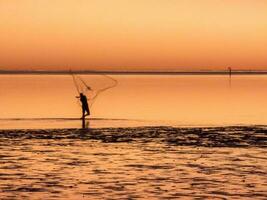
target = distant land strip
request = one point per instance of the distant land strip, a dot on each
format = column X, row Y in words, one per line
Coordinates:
column 66, row 72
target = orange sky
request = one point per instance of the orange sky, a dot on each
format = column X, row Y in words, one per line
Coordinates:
column 134, row 34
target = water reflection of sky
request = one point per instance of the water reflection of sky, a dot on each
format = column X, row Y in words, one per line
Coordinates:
column 180, row 100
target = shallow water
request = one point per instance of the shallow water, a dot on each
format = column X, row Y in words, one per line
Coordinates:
column 177, row 100
column 135, row 163
column 217, row 161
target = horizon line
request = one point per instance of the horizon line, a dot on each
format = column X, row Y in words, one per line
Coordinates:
column 137, row 72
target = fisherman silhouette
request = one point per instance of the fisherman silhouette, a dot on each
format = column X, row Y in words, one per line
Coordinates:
column 85, row 107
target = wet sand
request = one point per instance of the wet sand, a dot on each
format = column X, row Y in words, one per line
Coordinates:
column 134, row 163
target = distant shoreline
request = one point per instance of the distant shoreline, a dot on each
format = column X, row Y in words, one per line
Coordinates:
column 237, row 72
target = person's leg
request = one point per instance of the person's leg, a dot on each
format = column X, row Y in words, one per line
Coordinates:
column 83, row 118
column 83, row 112
column 88, row 111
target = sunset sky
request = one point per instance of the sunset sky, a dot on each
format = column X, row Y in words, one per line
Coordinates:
column 133, row 34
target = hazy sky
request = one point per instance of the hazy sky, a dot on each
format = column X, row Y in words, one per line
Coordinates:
column 133, row 34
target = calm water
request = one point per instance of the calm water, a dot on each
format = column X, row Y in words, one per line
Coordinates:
column 139, row 162
column 195, row 100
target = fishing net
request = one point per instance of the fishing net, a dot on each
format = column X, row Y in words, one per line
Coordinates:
column 92, row 86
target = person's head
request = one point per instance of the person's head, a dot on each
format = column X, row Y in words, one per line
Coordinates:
column 81, row 94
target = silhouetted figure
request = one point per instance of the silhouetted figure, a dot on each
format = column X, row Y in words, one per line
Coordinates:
column 85, row 107
column 230, row 71
column 230, row 76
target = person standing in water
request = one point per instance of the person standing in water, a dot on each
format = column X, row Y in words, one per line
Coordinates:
column 85, row 107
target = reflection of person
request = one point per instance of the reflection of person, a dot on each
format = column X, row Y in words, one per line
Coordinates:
column 85, row 107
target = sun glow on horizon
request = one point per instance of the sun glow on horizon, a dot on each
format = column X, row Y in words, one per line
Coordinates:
column 138, row 34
